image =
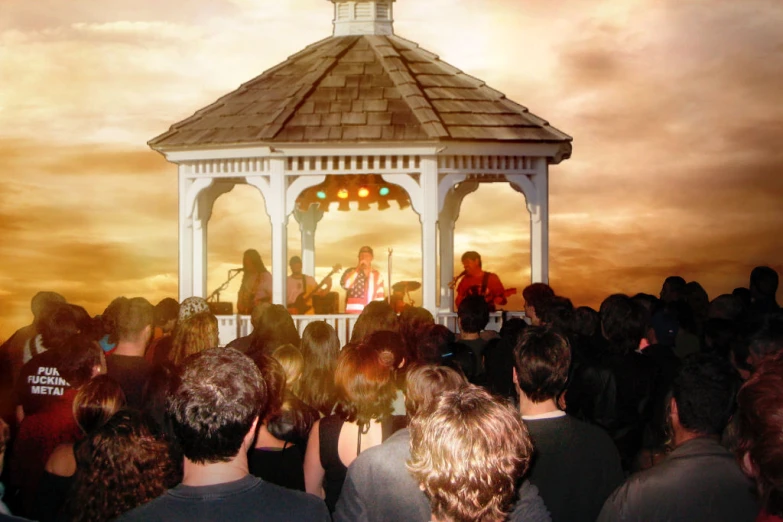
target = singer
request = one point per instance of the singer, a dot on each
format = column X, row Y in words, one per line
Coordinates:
column 363, row 283
column 256, row 283
column 475, row 281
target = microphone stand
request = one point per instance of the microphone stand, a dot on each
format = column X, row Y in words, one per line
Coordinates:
column 216, row 294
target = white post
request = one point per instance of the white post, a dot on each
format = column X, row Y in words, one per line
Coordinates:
column 539, row 224
column 275, row 205
column 429, row 232
column 185, row 237
column 199, row 250
column 308, row 222
column 446, row 229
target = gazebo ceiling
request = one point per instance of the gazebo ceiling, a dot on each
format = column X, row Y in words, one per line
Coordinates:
column 366, row 189
column 368, row 88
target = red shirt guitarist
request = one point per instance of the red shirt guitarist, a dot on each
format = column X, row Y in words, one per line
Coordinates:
column 476, row 281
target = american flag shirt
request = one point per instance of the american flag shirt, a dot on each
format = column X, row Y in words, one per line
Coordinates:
column 361, row 290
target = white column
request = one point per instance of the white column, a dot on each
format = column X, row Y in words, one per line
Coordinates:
column 308, row 222
column 428, row 216
column 539, row 224
column 276, row 206
column 199, row 250
column 446, row 229
column 185, row 238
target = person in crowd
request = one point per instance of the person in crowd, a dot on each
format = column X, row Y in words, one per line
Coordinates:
column 94, row 404
column 577, row 465
column 127, row 364
column 363, row 283
column 292, row 361
column 411, row 321
column 616, row 392
column 673, row 289
column 699, row 302
column 763, row 288
column 194, row 334
column 473, row 316
column 499, row 359
column 476, row 281
column 376, row 316
column 278, row 454
column 391, row 343
column 765, row 338
column 160, row 352
column 163, row 377
column 256, row 283
column 725, row 306
column 51, row 388
column 108, row 320
column 366, row 389
column 275, row 328
column 301, row 288
column 123, row 465
column 468, row 452
column 558, row 311
column 243, row 343
column 759, row 425
column 5, row 436
column 228, row 390
column 166, row 314
column 320, row 350
column 700, row 480
column 535, row 296
column 587, row 339
column 432, row 342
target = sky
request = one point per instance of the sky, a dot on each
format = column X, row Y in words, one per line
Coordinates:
column 674, row 107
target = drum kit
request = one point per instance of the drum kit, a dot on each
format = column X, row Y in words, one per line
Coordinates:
column 401, row 292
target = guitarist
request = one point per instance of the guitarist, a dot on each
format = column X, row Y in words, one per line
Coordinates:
column 476, row 281
column 301, row 284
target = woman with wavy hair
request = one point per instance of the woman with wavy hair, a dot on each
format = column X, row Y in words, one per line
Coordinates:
column 256, row 282
column 275, row 328
column 377, row 315
column 365, row 390
column 193, row 335
column 93, row 405
column 125, row 466
column 320, row 349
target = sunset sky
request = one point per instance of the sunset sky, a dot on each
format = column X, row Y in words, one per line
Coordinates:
column 674, row 106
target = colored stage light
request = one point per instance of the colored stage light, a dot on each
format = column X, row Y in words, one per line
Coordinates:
column 320, row 194
column 384, row 191
column 364, row 192
column 342, row 193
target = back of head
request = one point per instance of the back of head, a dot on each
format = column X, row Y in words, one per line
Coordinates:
column 586, row 322
column 194, row 334
column 110, row 316
column 768, row 338
column 219, row 396
column 542, row 358
column 364, row 379
column 426, row 383
column 389, row 342
column 123, row 452
column 274, row 377
column 320, row 349
column 96, row 402
column 558, row 312
column 697, row 298
column 725, row 306
column 665, row 325
column 275, row 328
column 133, row 317
column 473, row 314
column 61, row 321
column 673, row 289
column 78, row 360
column 705, row 390
column 191, row 306
column 257, row 313
column 166, row 310
column 536, row 294
column 377, row 315
column 43, row 299
column 412, row 319
column 468, row 451
column 763, row 282
column 622, row 322
column 433, row 340
column 760, row 424
column 290, row 357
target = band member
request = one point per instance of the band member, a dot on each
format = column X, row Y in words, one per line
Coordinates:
column 476, row 281
column 363, row 283
column 299, row 284
column 256, row 283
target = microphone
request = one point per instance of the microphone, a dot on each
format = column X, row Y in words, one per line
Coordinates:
column 454, row 281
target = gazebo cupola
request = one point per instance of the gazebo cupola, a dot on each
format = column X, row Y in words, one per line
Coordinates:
column 357, row 17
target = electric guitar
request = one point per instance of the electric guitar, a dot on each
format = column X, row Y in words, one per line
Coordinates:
column 300, row 306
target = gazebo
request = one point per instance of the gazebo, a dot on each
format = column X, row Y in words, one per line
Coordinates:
column 368, row 104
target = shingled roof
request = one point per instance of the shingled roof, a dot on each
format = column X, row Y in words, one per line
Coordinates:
column 366, row 88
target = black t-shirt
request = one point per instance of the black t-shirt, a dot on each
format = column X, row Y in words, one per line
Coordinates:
column 281, row 466
column 131, row 372
column 40, row 384
column 245, row 500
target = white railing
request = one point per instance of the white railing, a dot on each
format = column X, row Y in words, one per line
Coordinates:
column 232, row 326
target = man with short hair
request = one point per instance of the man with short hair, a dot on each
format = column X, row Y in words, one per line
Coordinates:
column 700, row 480
column 536, row 296
column 126, row 364
column 763, row 287
column 577, row 465
column 214, row 412
column 475, row 281
column 304, row 286
column 473, row 316
column 363, row 283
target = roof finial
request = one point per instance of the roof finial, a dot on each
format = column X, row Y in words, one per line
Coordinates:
column 356, row 17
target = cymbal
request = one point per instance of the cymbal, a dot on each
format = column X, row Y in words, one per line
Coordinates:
column 406, row 286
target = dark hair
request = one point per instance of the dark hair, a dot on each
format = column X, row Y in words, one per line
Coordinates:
column 41, row 300
column 536, row 294
column 542, row 359
column 219, row 396
column 275, row 328
column 725, row 306
column 390, row 342
column 559, row 312
column 768, row 338
column 704, row 391
column 110, row 315
column 433, row 341
column 377, row 315
column 122, row 466
column 166, row 310
column 293, row 421
column 77, row 359
column 674, row 287
column 472, row 255
column 428, row 382
column 586, row 321
column 463, row 359
column 162, row 380
column 365, row 384
column 320, row 349
column 764, row 281
column 623, row 323
column 255, row 259
column 473, row 314
column 273, row 376
column 96, row 402
column 133, row 317
column 411, row 321
column 720, row 335
column 760, row 423
column 59, row 322
column 648, row 301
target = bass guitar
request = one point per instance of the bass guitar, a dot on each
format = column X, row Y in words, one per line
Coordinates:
column 300, row 306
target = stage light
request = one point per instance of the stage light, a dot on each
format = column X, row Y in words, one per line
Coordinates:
column 384, row 191
column 321, row 194
column 342, row 194
column 364, row 192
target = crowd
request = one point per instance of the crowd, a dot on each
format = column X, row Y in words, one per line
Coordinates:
column 665, row 408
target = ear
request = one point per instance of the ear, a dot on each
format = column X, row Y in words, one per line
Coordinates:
column 516, row 379
column 673, row 412
column 747, row 465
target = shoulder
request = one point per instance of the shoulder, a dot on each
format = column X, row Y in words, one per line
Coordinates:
column 295, row 505
column 62, row 461
column 390, row 455
column 530, row 506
